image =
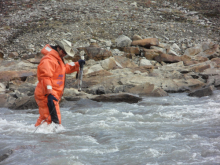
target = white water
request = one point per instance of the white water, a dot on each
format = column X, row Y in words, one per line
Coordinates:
column 157, row 131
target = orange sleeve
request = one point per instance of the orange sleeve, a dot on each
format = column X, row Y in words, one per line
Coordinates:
column 72, row 67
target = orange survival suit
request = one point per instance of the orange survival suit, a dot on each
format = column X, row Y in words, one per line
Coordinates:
column 51, row 72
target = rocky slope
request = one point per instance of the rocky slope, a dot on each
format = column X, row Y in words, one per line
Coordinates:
column 182, row 54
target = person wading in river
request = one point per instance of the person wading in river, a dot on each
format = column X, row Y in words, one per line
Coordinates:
column 51, row 76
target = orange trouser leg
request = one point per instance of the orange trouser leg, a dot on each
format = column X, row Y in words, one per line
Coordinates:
column 44, row 111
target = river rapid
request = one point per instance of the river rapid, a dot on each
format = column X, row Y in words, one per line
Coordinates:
column 176, row 129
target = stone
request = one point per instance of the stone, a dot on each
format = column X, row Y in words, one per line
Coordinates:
column 110, row 63
column 13, row 55
column 193, row 51
column 3, row 99
column 122, row 97
column 123, row 41
column 208, row 91
column 167, row 58
column 200, row 68
column 136, row 37
column 148, row 42
column 147, row 89
column 150, row 54
column 132, row 50
column 95, row 52
column 1, row 56
column 145, row 62
column 22, row 74
column 24, row 103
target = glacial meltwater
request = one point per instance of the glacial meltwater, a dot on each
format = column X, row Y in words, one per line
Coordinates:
column 171, row 130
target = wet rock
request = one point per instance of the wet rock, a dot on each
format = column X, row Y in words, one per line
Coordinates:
column 208, row 91
column 24, row 103
column 123, row 97
column 6, row 155
column 3, row 100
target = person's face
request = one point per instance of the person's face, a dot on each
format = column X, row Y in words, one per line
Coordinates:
column 61, row 52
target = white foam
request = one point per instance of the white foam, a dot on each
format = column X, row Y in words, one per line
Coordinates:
column 17, row 126
column 49, row 128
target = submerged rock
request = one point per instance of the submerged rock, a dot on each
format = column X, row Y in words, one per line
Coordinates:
column 122, row 97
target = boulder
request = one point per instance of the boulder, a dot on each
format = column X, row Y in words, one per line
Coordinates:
column 210, row 53
column 3, row 100
column 2, row 88
column 147, row 89
column 132, row 50
column 95, row 52
column 24, row 103
column 145, row 62
column 200, row 68
column 136, row 37
column 123, row 41
column 110, row 63
column 150, row 54
column 21, row 74
column 148, row 42
column 208, row 91
column 193, row 50
column 125, row 62
column 122, row 97
column 167, row 58
column 13, row 55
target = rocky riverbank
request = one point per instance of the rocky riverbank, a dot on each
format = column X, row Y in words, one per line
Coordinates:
column 133, row 49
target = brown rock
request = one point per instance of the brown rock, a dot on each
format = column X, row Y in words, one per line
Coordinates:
column 193, row 51
column 200, row 58
column 211, row 53
column 187, row 63
column 147, row 89
column 148, row 42
column 136, row 37
column 167, row 58
column 150, row 54
column 13, row 55
column 1, row 56
column 132, row 50
column 200, row 68
column 125, row 62
column 129, row 55
column 22, row 74
column 216, row 60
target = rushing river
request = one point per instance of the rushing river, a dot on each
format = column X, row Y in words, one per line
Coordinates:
column 156, row 131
